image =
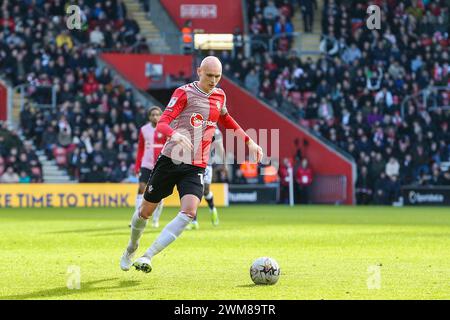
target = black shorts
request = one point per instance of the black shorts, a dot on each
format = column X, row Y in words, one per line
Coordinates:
column 167, row 174
column 144, row 175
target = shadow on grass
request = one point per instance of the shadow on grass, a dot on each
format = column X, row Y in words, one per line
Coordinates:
column 124, row 233
column 251, row 285
column 86, row 287
column 88, row 230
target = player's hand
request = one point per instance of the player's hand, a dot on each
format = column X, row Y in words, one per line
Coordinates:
column 182, row 140
column 255, row 151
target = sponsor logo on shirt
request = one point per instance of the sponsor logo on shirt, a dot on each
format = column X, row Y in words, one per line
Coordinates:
column 197, row 121
column 172, row 102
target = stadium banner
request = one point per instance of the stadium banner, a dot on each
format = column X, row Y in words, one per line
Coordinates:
column 89, row 195
column 253, row 193
column 210, row 16
column 426, row 196
column 137, row 68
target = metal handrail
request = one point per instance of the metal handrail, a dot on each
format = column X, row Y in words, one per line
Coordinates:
column 278, row 36
column 162, row 36
column 425, row 94
column 23, row 86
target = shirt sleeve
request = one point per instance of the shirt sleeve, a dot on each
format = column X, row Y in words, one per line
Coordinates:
column 229, row 123
column 176, row 104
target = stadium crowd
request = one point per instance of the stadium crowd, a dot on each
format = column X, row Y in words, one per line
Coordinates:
column 352, row 95
column 18, row 161
column 94, row 129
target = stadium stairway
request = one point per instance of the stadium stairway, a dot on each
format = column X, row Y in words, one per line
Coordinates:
column 307, row 44
column 148, row 29
column 50, row 171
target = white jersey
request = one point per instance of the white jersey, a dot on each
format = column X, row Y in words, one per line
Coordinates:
column 216, row 141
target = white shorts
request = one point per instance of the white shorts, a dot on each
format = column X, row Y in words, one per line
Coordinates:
column 207, row 177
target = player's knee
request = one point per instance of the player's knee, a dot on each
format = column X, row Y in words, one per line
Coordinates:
column 206, row 190
column 146, row 209
column 141, row 188
column 191, row 213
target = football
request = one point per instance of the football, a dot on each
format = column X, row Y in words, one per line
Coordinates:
column 265, row 270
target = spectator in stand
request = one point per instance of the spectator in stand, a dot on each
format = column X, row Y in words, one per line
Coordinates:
column 307, row 8
column 270, row 12
column 9, row 176
column 19, row 157
column 252, row 82
column 24, row 177
column 392, row 167
column 364, row 187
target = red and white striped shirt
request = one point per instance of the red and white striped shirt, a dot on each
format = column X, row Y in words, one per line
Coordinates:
column 150, row 145
column 195, row 113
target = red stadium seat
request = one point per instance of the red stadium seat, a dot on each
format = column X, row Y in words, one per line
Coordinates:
column 306, row 96
column 296, row 97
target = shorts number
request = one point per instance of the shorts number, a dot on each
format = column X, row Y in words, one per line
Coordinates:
column 201, row 178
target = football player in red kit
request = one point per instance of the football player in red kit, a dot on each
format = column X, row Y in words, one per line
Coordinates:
column 189, row 121
column 150, row 145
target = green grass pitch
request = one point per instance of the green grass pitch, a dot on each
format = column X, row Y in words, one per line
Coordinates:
column 324, row 252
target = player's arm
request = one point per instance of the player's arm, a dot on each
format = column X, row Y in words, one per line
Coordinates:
column 229, row 123
column 140, row 152
column 176, row 104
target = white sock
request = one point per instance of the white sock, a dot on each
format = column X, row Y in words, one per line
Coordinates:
column 138, row 201
column 158, row 211
column 169, row 234
column 209, row 196
column 138, row 225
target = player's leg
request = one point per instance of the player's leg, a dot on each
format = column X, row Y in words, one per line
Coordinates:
column 159, row 186
column 156, row 214
column 140, row 192
column 190, row 189
column 189, row 204
column 209, row 197
column 207, row 177
column 144, row 176
column 194, row 225
column 138, row 224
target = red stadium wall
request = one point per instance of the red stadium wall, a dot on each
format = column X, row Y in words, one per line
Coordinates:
column 3, row 102
column 249, row 112
column 132, row 66
column 212, row 16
